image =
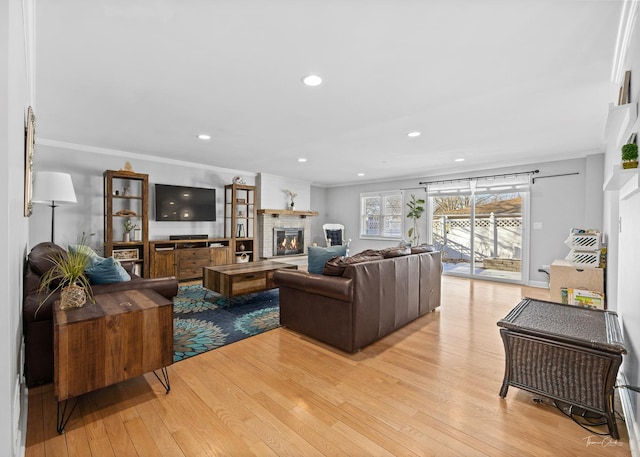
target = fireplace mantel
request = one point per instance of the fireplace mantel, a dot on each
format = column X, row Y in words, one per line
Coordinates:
column 287, row 212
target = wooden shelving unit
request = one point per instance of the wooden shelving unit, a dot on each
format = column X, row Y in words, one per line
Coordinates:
column 126, row 198
column 240, row 220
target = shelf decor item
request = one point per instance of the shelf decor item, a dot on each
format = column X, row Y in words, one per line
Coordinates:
column 630, row 156
column 292, row 195
column 128, row 226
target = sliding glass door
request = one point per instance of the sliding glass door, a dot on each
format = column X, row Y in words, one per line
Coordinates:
column 480, row 232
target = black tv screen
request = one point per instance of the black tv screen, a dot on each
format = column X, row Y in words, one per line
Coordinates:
column 183, row 203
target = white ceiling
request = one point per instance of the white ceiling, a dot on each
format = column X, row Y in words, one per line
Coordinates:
column 497, row 82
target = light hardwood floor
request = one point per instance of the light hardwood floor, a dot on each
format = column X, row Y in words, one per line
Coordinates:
column 430, row 388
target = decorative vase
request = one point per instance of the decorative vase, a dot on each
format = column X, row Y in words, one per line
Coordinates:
column 126, row 237
column 72, row 296
column 241, row 247
column 292, row 206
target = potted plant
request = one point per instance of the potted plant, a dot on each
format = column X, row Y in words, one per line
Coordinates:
column 292, row 196
column 416, row 208
column 630, row 156
column 128, row 226
column 67, row 276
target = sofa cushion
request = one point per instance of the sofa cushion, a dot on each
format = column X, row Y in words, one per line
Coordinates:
column 318, row 256
column 40, row 257
column 396, row 251
column 106, row 271
column 336, row 265
column 422, row 248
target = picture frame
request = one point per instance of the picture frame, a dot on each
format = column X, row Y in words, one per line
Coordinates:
column 125, row 254
column 29, row 150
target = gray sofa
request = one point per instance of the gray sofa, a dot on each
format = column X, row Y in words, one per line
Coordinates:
column 369, row 300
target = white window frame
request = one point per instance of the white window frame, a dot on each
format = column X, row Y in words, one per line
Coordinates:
column 381, row 195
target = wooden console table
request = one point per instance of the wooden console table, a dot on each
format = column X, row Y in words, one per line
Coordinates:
column 121, row 336
column 564, row 352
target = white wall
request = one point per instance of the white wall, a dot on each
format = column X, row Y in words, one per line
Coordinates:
column 86, row 169
column 14, row 99
column 271, row 189
column 622, row 222
column 558, row 203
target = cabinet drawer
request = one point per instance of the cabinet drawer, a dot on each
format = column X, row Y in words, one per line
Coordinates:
column 185, row 273
column 188, row 254
column 248, row 282
column 194, row 263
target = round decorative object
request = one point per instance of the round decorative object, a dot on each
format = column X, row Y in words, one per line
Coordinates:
column 238, row 180
column 241, row 247
column 72, row 296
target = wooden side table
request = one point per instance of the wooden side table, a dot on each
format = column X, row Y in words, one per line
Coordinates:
column 564, row 352
column 121, row 336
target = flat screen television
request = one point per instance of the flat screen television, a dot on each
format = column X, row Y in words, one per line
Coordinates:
column 183, row 203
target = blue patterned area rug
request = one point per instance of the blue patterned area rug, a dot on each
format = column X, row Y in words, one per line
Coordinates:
column 204, row 320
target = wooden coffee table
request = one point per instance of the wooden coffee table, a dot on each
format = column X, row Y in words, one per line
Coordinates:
column 242, row 278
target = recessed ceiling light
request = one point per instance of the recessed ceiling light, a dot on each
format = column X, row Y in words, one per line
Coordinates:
column 360, row 174
column 413, row 134
column 302, row 159
column 460, row 160
column 204, row 136
column 312, row 80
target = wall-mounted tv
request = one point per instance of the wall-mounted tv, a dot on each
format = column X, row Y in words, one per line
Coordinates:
column 183, row 203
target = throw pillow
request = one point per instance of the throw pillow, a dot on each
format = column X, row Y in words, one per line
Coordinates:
column 86, row 250
column 106, row 271
column 337, row 265
column 389, row 253
column 318, row 256
column 422, row 248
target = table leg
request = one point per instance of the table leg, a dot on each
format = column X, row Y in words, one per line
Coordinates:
column 165, row 379
column 64, row 415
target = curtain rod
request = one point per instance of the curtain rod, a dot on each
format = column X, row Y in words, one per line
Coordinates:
column 505, row 175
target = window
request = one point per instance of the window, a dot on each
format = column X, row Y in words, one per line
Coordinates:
column 381, row 215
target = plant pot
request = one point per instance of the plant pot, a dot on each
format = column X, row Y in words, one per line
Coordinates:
column 72, row 296
column 126, row 237
column 630, row 164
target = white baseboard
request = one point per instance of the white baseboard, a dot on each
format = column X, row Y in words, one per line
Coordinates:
column 629, row 417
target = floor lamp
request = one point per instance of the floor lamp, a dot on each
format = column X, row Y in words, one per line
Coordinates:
column 53, row 187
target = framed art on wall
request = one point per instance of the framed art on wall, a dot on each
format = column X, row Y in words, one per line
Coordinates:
column 29, row 148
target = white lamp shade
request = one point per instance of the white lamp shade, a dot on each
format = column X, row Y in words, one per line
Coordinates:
column 52, row 186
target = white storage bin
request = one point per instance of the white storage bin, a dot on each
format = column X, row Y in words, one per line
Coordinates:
column 582, row 259
column 584, row 242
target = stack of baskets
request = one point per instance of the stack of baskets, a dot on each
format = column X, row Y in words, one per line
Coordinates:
column 586, row 248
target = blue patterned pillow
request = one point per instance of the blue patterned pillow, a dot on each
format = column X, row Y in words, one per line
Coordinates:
column 106, row 271
column 318, row 256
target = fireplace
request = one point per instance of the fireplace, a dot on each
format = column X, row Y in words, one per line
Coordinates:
column 288, row 241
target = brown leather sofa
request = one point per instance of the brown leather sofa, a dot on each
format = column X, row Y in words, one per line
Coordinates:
column 38, row 327
column 370, row 300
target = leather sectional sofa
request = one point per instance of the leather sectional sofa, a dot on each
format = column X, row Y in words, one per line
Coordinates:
column 372, row 296
column 38, row 327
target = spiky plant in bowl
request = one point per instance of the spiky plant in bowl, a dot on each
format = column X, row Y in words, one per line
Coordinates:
column 67, row 276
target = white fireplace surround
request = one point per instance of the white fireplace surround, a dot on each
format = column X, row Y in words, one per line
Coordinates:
column 266, row 225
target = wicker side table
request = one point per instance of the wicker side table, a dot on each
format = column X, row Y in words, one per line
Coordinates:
column 565, row 353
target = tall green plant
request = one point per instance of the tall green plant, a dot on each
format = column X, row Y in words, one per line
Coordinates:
column 416, row 208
